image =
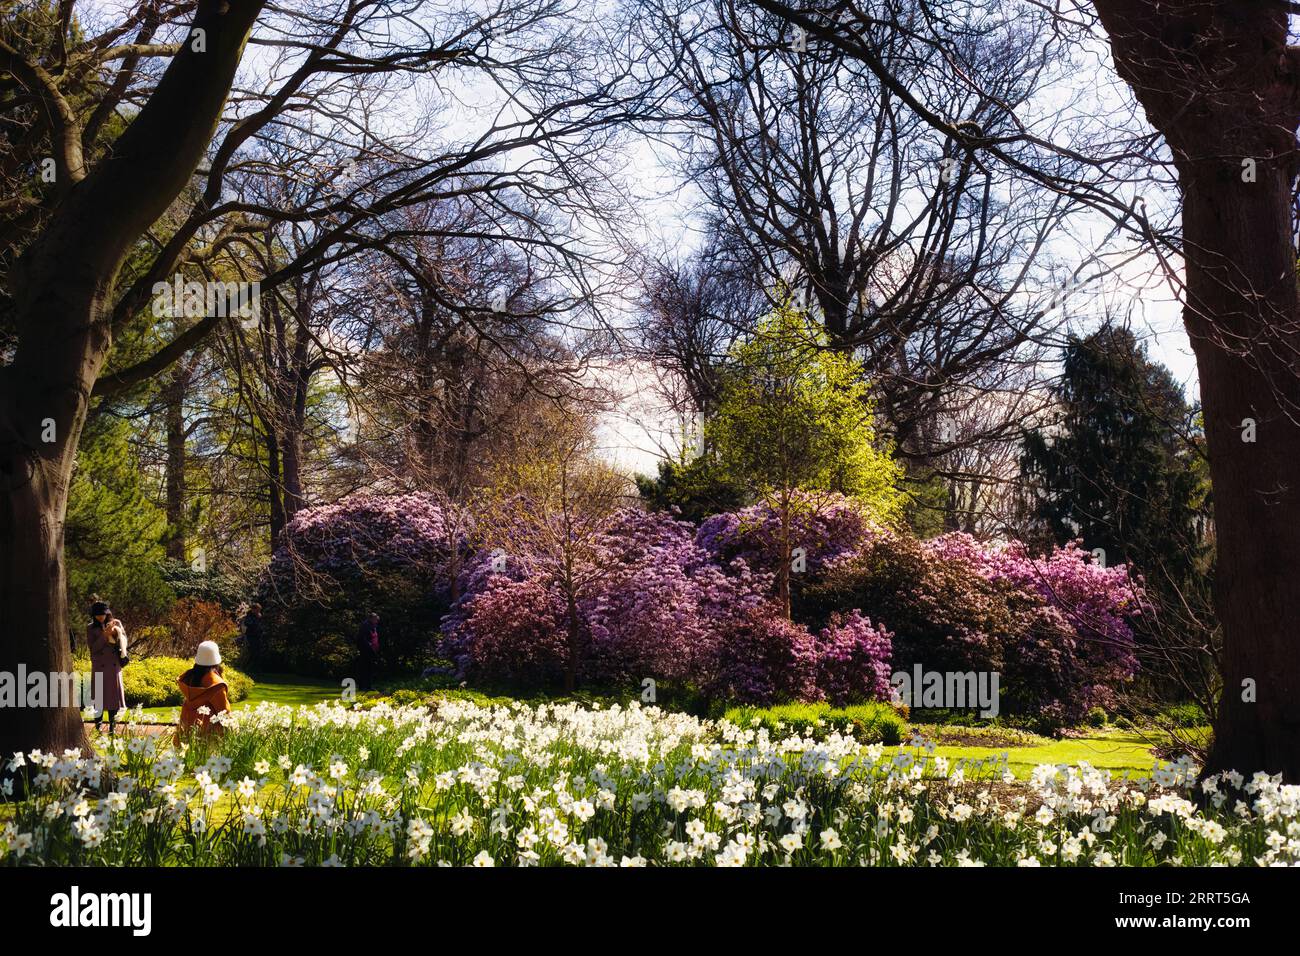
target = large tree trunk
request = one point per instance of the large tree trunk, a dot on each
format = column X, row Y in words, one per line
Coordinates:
column 1256, row 484
column 33, row 589
column 1218, row 80
column 62, row 288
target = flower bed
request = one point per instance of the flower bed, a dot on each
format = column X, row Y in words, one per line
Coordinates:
column 563, row 784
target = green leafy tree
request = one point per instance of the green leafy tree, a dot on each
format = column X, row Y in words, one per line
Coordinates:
column 795, row 425
column 114, row 527
column 695, row 488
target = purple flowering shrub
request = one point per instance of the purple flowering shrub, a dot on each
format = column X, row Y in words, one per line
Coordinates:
column 659, row 599
column 827, row 528
column 941, row 613
column 652, row 606
column 391, row 554
column 662, row 608
column 853, row 658
column 762, row 659
column 1096, row 604
column 514, row 632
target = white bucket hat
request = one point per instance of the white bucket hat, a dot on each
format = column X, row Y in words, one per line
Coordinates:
column 208, row 654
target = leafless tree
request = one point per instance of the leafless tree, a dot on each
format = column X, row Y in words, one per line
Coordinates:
column 690, row 310
column 1217, row 81
column 472, row 331
column 197, row 90
column 554, row 511
column 913, row 252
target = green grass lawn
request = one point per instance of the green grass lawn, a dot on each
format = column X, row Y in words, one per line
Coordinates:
column 1114, row 750
column 277, row 688
column 292, row 689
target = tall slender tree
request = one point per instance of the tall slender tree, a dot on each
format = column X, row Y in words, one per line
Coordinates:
column 1116, row 467
column 795, row 424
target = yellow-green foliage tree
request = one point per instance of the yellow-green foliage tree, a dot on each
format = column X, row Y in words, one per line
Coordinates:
column 795, row 425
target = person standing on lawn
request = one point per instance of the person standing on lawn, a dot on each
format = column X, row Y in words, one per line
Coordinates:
column 367, row 649
column 106, row 639
column 253, row 634
column 204, row 692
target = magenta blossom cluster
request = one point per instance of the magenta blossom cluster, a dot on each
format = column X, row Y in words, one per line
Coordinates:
column 853, row 657
column 653, row 604
column 648, row 602
column 512, row 631
column 762, row 658
column 368, row 534
column 389, row 554
column 1098, row 602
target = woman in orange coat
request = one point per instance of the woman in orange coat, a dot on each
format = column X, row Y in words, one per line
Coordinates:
column 204, row 693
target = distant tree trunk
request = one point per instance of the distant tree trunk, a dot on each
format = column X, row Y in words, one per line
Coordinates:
column 292, row 436
column 174, row 399
column 425, row 434
column 421, row 443
column 291, row 455
column 274, row 484
column 575, row 637
column 783, row 567
column 289, row 378
column 1218, row 79
column 951, row 514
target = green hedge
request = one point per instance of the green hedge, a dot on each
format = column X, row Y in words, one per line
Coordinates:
column 870, row 722
column 151, row 681
column 1183, row 716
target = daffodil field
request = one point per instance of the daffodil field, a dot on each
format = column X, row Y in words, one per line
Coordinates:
column 463, row 784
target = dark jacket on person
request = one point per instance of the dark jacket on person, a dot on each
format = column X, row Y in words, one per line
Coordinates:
column 106, row 660
column 368, row 638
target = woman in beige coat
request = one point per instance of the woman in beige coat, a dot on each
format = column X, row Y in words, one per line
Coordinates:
column 106, row 639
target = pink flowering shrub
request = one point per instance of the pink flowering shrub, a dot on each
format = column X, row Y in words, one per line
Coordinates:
column 652, row 608
column 1097, row 603
column 660, row 599
column 391, row 554
column 1055, row 629
column 520, row 633
column 665, row 609
column 369, row 534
